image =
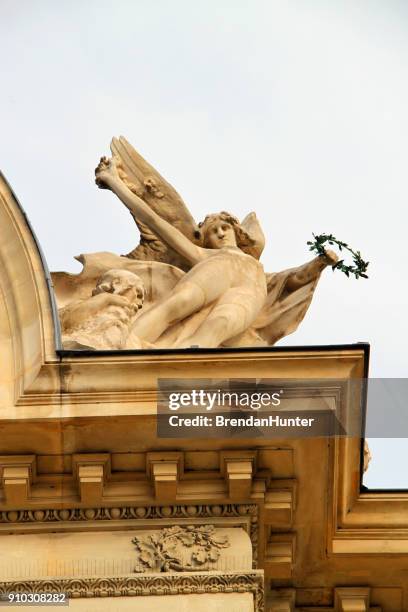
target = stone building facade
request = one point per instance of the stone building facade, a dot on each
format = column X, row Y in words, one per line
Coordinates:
column 89, row 495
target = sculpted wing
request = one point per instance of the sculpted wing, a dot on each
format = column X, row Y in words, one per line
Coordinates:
column 149, row 185
column 254, row 230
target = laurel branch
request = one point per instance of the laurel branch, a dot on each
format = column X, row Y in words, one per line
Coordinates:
column 359, row 266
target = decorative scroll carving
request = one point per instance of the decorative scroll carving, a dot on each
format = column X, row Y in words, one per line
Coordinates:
column 147, row 584
column 167, row 550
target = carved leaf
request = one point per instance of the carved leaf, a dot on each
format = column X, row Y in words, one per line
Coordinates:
column 213, row 554
column 154, row 539
column 187, row 539
column 172, row 531
column 171, row 551
column 148, row 559
column 205, row 529
column 200, row 556
column 220, row 540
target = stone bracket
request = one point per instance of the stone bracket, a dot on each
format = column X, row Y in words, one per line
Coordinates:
column 92, row 472
column 237, row 480
column 238, row 468
column 17, row 473
column 281, row 600
column 280, row 502
column 352, row 599
column 280, row 555
column 165, row 470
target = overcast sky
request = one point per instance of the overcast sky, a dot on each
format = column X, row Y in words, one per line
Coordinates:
column 296, row 109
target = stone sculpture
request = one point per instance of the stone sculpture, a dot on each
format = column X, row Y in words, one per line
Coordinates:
column 205, row 285
column 180, row 549
column 103, row 320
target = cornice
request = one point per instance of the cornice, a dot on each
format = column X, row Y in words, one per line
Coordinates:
column 75, row 385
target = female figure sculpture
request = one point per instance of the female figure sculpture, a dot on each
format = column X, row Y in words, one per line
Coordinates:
column 224, row 282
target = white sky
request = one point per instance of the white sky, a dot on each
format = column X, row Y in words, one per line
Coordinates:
column 295, row 109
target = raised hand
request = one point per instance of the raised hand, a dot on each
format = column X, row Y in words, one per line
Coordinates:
column 331, row 258
column 108, row 170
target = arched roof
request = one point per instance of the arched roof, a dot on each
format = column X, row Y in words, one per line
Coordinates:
column 29, row 330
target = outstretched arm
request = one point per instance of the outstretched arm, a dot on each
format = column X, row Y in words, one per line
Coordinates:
column 107, row 176
column 309, row 271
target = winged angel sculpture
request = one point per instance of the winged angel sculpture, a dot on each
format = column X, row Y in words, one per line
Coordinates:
column 184, row 285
